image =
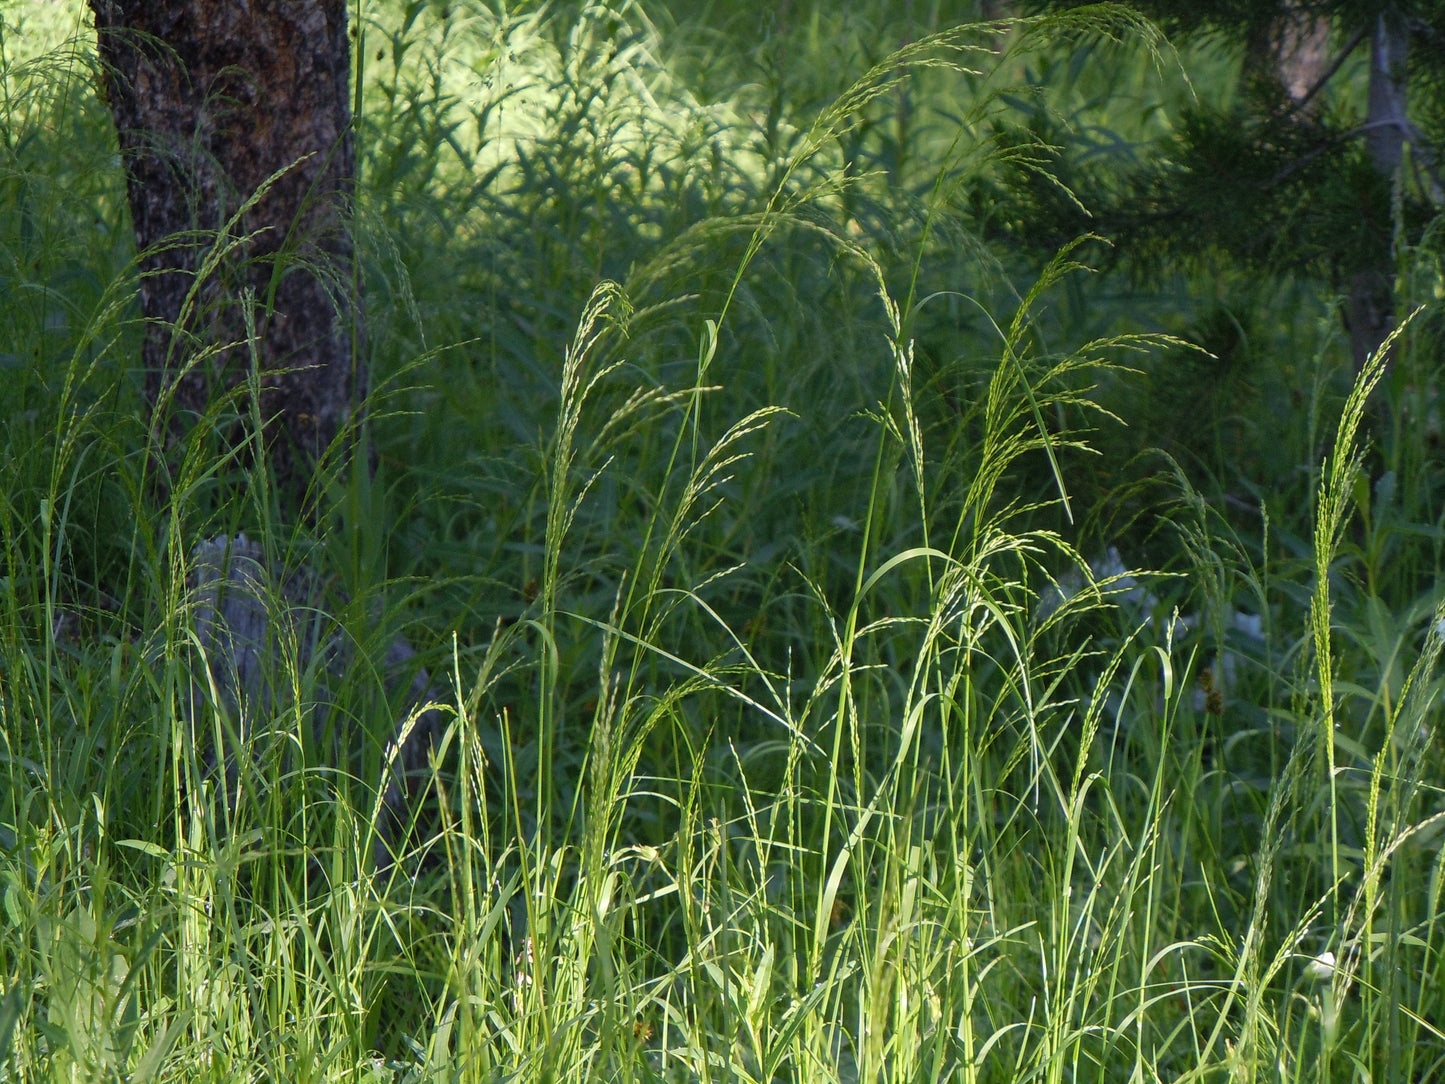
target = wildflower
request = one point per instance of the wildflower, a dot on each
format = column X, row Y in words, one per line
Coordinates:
column 1321, row 967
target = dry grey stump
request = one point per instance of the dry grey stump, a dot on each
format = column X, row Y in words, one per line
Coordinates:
column 255, row 630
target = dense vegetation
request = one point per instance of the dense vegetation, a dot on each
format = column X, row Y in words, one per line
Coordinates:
column 771, row 487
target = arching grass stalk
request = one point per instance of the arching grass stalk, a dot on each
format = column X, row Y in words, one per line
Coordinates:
column 1335, row 502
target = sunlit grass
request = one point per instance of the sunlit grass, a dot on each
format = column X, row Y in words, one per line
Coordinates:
column 787, row 732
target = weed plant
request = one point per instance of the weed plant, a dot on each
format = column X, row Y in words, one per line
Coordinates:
column 790, row 734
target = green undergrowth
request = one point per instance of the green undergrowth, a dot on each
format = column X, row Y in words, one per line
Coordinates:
column 743, row 497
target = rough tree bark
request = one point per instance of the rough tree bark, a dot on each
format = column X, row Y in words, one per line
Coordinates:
column 211, row 98
column 222, row 105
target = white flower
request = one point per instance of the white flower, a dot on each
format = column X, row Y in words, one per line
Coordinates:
column 1321, row 967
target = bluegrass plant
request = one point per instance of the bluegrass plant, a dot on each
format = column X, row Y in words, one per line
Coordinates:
column 789, row 733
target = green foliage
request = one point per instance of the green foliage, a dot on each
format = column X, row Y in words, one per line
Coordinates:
column 1318, row 159
column 736, row 475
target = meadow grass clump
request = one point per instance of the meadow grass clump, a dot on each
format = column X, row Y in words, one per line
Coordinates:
column 787, row 725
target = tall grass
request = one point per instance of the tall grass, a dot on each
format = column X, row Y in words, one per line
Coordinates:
column 789, row 733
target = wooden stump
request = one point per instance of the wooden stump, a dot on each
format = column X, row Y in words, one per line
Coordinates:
column 257, row 633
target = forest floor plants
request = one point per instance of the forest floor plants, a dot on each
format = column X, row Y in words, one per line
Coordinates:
column 876, row 801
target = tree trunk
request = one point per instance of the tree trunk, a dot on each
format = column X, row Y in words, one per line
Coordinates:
column 211, row 98
column 1290, row 51
column 1372, row 287
column 234, row 119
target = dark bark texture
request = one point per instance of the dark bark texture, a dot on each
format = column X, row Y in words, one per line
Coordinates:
column 211, row 98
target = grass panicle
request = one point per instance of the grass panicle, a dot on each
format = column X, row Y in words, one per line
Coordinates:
column 757, row 508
